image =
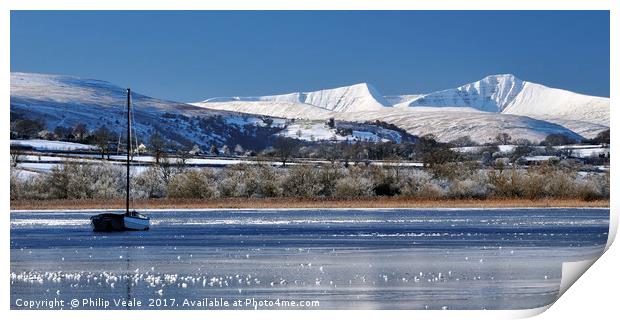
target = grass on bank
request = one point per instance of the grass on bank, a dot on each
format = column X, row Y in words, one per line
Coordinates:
column 245, row 203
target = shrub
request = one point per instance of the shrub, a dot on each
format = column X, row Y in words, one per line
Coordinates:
column 560, row 184
column 471, row 188
column 421, row 185
column 385, row 181
column 535, row 186
column 353, row 187
column 149, row 184
column 301, row 181
column 506, row 183
column 192, row 184
column 327, row 176
column 431, row 191
column 230, row 182
column 588, row 191
column 262, row 181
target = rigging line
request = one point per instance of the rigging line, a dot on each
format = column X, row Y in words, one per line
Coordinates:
column 118, row 144
column 135, row 134
column 134, row 150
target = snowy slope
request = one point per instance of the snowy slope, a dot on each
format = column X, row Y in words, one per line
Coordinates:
column 446, row 123
column 450, row 123
column 505, row 93
column 67, row 101
column 357, row 97
column 402, row 100
column 491, row 94
column 503, row 102
column 270, row 108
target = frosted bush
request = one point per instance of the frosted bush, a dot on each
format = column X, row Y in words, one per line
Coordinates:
column 327, row 177
column 24, row 187
column 259, row 181
column 560, row 184
column 470, row 188
column 109, row 181
column 230, row 183
column 353, row 187
column 301, row 181
column 588, row 190
column 593, row 187
column 432, row 190
column 149, row 184
column 413, row 181
column 386, row 181
column 535, row 185
column 506, row 183
column 192, row 184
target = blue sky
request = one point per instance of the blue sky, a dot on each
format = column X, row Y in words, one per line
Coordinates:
column 192, row 55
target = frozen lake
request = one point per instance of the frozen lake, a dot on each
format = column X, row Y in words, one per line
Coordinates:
column 344, row 258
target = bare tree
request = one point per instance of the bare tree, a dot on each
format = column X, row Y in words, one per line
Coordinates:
column 183, row 154
column 239, row 149
column 285, row 148
column 16, row 156
column 213, row 150
column 80, row 131
column 503, row 138
column 102, row 139
column 157, row 146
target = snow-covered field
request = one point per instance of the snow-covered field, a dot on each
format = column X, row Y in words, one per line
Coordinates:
column 320, row 131
column 577, row 151
column 30, row 165
column 47, row 145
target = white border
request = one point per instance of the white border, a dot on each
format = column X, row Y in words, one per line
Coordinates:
column 583, row 300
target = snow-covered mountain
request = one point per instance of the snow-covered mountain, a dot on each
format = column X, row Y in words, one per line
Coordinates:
column 491, row 94
column 67, row 101
column 507, row 94
column 357, row 97
column 482, row 109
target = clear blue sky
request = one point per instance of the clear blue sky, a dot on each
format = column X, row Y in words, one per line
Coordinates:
column 189, row 56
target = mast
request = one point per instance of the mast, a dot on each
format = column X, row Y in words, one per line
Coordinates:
column 128, row 147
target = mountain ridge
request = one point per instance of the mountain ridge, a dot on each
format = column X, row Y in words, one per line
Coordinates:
column 496, row 94
column 357, row 97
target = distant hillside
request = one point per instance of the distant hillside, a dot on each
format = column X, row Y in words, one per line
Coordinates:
column 66, row 101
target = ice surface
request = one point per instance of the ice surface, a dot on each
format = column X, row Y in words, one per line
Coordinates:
column 345, row 259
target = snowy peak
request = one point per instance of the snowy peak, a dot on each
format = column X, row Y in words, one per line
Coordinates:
column 354, row 98
column 492, row 94
column 358, row 97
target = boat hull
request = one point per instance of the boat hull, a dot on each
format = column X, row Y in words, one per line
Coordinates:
column 136, row 223
column 110, row 222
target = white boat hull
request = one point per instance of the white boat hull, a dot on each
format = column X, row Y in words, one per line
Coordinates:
column 135, row 223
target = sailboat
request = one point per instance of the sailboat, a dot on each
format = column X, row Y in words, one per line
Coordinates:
column 130, row 220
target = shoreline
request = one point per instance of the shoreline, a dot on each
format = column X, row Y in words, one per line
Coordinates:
column 275, row 203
